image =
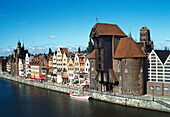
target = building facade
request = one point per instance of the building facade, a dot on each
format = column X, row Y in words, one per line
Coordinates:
column 106, row 38
column 159, row 73
column 130, row 68
column 145, row 40
column 19, row 53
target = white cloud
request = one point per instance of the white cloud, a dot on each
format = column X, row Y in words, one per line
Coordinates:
column 6, row 51
column 38, row 49
column 167, row 39
column 52, row 36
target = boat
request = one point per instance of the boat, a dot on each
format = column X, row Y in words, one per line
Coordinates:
column 79, row 96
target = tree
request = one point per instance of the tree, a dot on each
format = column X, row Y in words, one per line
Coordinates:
column 79, row 50
column 50, row 51
column 90, row 47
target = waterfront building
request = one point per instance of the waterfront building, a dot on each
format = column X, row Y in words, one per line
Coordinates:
column 87, row 65
column 145, row 40
column 37, row 63
column 71, row 73
column 92, row 71
column 159, row 73
column 60, row 53
column 28, row 58
column 64, row 62
column 8, row 64
column 50, row 61
column 3, row 64
column 106, row 38
column 76, row 63
column 54, row 64
column 130, row 68
column 19, row 53
column 21, row 67
column 82, row 62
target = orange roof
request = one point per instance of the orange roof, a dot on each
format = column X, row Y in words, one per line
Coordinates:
column 127, row 47
column 70, row 54
column 144, row 28
column 64, row 50
column 108, row 29
column 92, row 55
column 83, row 55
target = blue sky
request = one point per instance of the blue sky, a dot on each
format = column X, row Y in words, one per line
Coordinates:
column 41, row 24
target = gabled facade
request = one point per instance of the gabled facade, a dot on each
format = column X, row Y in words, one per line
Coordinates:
column 64, row 62
column 28, row 58
column 87, row 65
column 21, row 67
column 159, row 72
column 54, row 64
column 59, row 60
column 76, row 63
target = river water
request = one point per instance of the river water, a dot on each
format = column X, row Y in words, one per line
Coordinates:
column 19, row 100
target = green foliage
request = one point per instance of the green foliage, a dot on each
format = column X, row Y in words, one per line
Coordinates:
column 79, row 50
column 90, row 47
column 50, row 51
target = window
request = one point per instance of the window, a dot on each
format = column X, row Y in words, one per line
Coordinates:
column 158, row 88
column 166, row 88
column 99, row 58
column 151, row 87
column 125, row 62
column 153, row 80
column 98, row 51
column 99, row 66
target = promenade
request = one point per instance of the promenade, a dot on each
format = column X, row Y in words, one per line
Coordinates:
column 146, row 101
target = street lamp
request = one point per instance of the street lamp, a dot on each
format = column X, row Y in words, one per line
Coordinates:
column 153, row 93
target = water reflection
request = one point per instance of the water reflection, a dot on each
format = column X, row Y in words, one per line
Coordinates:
column 18, row 100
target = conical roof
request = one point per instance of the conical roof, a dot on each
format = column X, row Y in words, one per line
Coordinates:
column 127, row 48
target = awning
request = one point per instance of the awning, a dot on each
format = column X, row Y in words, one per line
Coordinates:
column 74, row 80
column 36, row 78
column 65, row 76
column 113, row 77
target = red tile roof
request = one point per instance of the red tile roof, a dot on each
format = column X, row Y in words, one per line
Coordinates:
column 92, row 55
column 108, row 29
column 127, row 47
column 64, row 50
column 144, row 28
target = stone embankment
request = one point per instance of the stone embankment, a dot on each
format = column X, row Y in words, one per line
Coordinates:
column 139, row 102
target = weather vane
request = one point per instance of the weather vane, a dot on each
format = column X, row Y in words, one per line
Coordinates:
column 97, row 20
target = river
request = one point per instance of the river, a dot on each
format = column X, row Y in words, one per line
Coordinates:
column 20, row 100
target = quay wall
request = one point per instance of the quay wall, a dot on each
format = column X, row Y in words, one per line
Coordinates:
column 106, row 97
column 132, row 102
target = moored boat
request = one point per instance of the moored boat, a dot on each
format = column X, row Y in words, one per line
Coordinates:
column 79, row 96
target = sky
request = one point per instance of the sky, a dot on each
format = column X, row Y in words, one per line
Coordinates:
column 43, row 24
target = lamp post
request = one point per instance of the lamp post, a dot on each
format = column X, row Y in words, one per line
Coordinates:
column 153, row 93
